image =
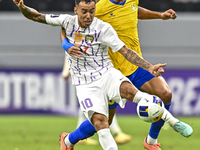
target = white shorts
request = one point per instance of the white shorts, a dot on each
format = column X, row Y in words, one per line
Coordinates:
column 94, row 97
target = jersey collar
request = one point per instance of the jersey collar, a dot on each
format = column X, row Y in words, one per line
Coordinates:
column 117, row 2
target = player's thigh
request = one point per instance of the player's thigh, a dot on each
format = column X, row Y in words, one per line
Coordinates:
column 112, row 84
column 92, row 100
column 159, row 87
column 128, row 90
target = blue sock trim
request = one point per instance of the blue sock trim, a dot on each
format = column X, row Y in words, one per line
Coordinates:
column 66, row 44
column 156, row 126
column 167, row 106
column 85, row 130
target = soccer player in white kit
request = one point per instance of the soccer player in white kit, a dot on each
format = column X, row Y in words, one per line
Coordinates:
column 119, row 136
column 96, row 80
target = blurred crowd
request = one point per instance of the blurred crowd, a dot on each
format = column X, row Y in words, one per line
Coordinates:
column 68, row 5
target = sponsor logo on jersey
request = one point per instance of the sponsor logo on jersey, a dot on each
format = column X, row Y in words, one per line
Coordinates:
column 78, row 37
column 133, row 7
column 111, row 15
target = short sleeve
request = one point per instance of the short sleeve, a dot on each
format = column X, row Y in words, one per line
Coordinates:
column 56, row 20
column 111, row 39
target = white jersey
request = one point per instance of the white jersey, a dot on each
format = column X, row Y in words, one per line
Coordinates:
column 94, row 42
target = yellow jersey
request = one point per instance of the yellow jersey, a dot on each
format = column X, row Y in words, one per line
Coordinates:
column 123, row 17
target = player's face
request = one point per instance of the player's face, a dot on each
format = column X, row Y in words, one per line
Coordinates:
column 85, row 12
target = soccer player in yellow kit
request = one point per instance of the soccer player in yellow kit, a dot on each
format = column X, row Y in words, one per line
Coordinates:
column 123, row 15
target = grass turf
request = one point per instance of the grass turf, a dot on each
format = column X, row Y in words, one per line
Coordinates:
column 41, row 133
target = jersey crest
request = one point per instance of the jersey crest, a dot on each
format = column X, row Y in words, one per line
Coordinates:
column 89, row 39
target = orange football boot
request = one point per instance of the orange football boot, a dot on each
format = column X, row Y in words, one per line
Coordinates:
column 62, row 143
column 151, row 147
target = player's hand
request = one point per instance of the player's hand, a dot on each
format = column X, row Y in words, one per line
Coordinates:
column 157, row 69
column 75, row 51
column 169, row 14
column 19, row 3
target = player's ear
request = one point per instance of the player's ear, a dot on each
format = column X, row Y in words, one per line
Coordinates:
column 75, row 10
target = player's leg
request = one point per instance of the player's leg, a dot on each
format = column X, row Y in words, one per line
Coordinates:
column 183, row 128
column 157, row 86
column 180, row 127
column 94, row 104
column 80, row 127
column 85, row 128
column 101, row 125
column 146, row 82
column 119, row 136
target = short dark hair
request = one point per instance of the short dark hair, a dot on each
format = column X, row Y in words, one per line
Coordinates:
column 86, row 1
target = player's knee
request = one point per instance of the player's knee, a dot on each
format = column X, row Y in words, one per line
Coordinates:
column 166, row 96
column 99, row 121
column 127, row 91
column 130, row 93
column 100, row 124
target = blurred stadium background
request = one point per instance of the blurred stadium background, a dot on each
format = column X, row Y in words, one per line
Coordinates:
column 31, row 58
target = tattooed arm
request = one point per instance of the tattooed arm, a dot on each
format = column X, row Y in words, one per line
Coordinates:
column 135, row 59
column 30, row 13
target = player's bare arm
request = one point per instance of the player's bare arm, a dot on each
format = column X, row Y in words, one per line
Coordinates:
column 62, row 34
column 135, row 59
column 148, row 14
column 30, row 13
column 73, row 51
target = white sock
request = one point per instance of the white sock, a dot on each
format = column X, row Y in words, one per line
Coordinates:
column 151, row 140
column 67, row 142
column 167, row 117
column 138, row 96
column 106, row 139
column 114, row 127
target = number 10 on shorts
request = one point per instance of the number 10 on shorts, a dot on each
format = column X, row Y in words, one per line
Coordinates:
column 87, row 103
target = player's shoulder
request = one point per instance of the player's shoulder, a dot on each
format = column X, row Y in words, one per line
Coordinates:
column 102, row 6
column 71, row 19
column 97, row 23
column 68, row 17
column 59, row 16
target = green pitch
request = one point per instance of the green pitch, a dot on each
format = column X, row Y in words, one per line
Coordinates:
column 42, row 132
